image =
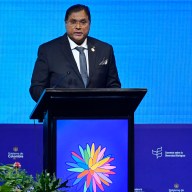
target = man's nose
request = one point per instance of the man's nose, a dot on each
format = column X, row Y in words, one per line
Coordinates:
column 78, row 25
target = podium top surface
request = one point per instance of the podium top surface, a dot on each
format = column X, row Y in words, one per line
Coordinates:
column 88, row 102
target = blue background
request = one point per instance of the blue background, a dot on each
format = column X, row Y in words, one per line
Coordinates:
column 152, row 42
column 155, row 175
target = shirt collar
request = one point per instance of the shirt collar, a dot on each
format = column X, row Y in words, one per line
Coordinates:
column 73, row 45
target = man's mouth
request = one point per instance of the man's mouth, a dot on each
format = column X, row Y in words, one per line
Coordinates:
column 78, row 33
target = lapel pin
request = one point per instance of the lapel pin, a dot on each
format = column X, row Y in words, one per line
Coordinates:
column 93, row 49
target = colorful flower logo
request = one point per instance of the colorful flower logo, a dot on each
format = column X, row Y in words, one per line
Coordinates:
column 92, row 168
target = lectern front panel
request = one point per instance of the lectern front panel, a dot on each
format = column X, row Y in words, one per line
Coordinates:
column 92, row 154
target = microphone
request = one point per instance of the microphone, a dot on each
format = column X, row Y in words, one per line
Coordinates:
column 61, row 79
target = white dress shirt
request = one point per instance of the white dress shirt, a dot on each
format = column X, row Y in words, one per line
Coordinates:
column 76, row 53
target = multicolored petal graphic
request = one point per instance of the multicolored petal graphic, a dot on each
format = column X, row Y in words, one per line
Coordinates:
column 92, row 168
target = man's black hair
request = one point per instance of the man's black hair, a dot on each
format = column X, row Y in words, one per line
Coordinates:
column 77, row 8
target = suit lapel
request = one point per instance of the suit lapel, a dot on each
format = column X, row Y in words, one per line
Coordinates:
column 92, row 56
column 65, row 46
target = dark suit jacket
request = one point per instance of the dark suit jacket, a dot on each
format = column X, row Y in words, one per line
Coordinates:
column 56, row 67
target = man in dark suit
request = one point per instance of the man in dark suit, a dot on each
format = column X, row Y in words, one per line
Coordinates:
column 58, row 64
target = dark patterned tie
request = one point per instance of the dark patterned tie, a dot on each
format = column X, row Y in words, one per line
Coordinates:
column 83, row 65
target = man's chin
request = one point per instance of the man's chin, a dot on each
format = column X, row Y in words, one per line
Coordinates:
column 78, row 40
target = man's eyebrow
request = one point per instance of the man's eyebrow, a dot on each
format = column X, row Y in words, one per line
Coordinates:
column 77, row 19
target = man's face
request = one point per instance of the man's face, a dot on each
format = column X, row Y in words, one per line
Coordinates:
column 77, row 26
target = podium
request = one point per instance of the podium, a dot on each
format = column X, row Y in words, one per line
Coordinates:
column 89, row 108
